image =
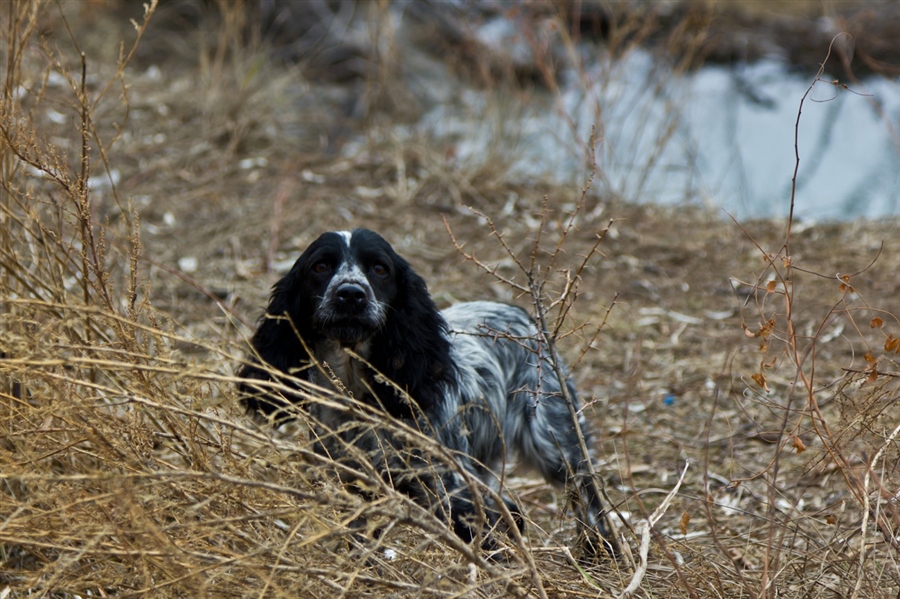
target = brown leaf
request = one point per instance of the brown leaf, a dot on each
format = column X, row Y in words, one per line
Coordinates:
column 876, row 323
column 799, row 445
column 766, row 329
column 873, row 376
column 683, row 523
column 845, row 284
column 760, row 379
column 891, row 344
column 831, row 519
column 771, row 286
column 869, row 357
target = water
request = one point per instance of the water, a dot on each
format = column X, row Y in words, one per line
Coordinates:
column 720, row 136
column 849, row 144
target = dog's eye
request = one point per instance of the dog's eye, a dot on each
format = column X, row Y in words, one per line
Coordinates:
column 379, row 269
column 321, row 267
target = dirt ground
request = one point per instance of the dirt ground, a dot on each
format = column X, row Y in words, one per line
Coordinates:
column 233, row 163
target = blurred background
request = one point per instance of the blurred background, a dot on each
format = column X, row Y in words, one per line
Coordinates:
column 692, row 101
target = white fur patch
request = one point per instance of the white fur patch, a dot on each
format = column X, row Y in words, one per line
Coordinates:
column 345, row 235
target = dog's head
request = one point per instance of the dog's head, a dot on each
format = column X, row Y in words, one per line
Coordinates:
column 347, row 284
column 351, row 287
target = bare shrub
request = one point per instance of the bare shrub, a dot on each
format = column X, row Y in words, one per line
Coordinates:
column 846, row 543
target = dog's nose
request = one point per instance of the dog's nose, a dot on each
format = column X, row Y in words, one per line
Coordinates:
column 350, row 295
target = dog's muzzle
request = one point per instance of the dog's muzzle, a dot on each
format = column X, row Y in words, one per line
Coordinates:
column 349, row 312
column 350, row 298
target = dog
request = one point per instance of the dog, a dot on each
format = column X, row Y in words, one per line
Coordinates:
column 353, row 316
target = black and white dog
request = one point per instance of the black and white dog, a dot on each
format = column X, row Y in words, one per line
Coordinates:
column 473, row 377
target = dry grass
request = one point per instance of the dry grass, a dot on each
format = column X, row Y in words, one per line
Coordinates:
column 147, row 205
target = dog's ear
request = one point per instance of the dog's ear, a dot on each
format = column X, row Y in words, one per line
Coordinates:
column 277, row 345
column 413, row 349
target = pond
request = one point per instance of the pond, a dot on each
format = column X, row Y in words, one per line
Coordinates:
column 722, row 136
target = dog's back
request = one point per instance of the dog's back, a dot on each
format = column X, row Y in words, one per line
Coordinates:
column 505, row 368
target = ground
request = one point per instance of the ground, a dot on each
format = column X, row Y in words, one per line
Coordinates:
column 754, row 358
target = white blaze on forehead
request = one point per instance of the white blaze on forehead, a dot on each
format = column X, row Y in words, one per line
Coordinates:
column 345, row 235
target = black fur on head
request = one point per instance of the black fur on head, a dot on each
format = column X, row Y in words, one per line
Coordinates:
column 351, row 290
